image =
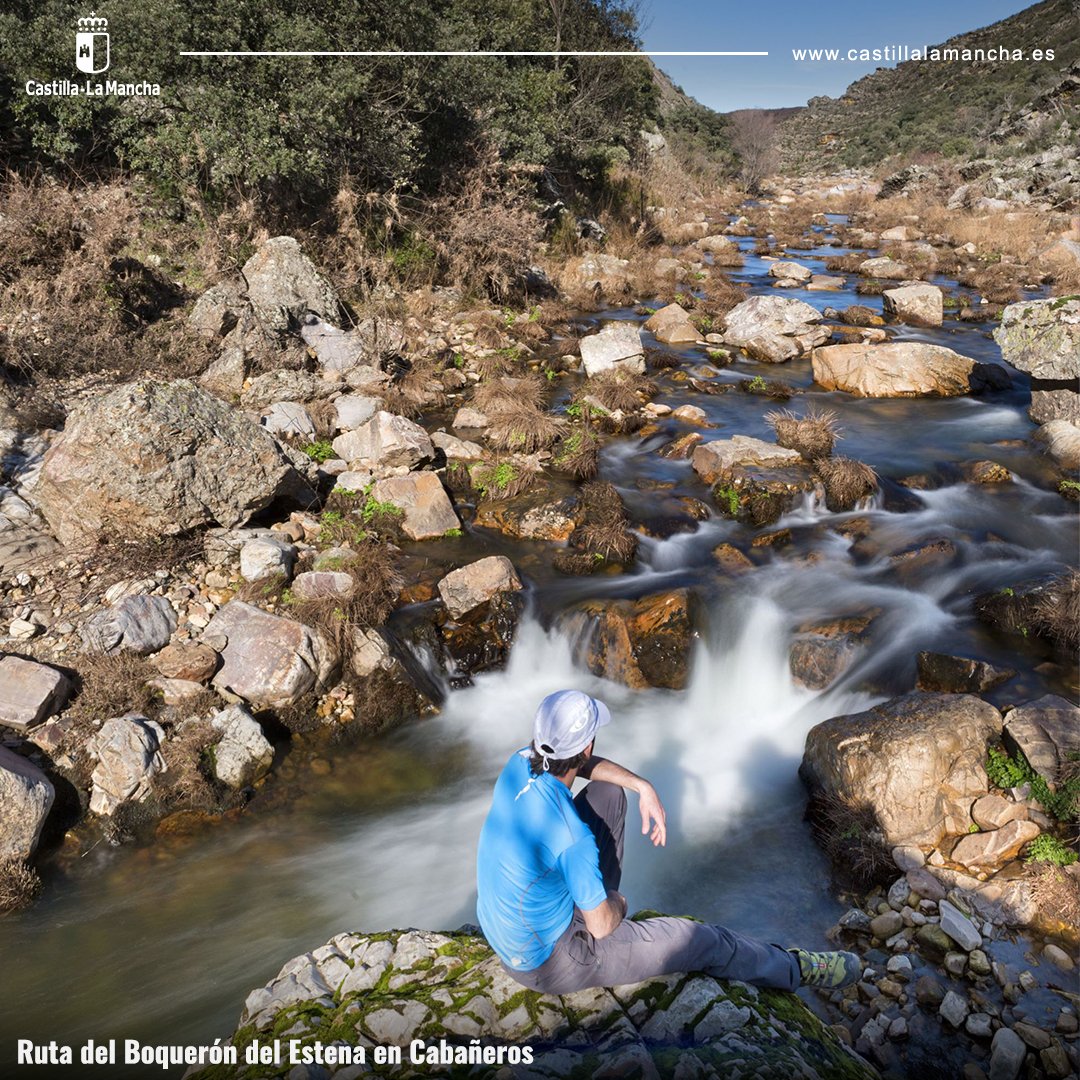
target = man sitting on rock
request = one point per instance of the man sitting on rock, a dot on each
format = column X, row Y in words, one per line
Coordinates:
column 549, row 867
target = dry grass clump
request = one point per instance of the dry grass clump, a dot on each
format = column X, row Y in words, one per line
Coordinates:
column 113, row 686
column 500, row 394
column 524, row 430
column 659, row 359
column 501, row 478
column 578, row 452
column 1055, row 892
column 852, row 839
column 19, row 885
column 605, row 529
column 417, row 389
column 619, row 390
column 845, row 482
column 122, row 558
column 372, row 595
column 1057, row 610
column 813, row 435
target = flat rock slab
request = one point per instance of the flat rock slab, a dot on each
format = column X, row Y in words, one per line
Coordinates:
column 903, row 369
column 30, row 692
column 958, row 926
column 26, row 796
column 711, row 460
column 140, row 624
column 427, row 512
column 616, row 347
column 958, row 674
column 266, row 660
column 988, row 849
column 674, row 1025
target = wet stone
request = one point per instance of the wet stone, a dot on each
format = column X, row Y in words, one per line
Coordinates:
column 953, row 1009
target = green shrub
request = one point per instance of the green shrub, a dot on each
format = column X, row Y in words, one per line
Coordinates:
column 1047, row 848
column 1007, row 772
column 319, row 451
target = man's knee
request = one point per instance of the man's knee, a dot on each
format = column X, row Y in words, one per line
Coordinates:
column 608, row 800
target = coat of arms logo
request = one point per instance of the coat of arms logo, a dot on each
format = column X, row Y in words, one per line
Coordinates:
column 92, row 45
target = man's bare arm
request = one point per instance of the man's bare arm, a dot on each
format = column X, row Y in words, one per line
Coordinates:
column 603, row 919
column 653, row 817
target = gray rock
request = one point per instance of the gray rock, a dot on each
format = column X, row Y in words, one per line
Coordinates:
column 427, row 512
column 283, row 285
column 886, row 924
column 140, row 624
column 979, row 1026
column 885, row 269
column 1007, row 1053
column 388, row 440
column 264, row 558
column 1042, row 337
column 1062, row 441
column 288, row 418
column 320, row 584
column 30, row 692
column 712, row 459
column 954, row 1009
column 26, row 796
column 268, row 660
column 370, row 653
column 243, row 755
column 128, row 753
column 1058, row 957
column 959, row 927
column 774, row 328
column 616, row 347
column 993, row 811
column 217, row 310
column 353, row 410
column 917, row 305
column 989, row 849
column 467, row 588
column 855, row 920
column 1045, row 731
column 156, row 458
column 790, row 271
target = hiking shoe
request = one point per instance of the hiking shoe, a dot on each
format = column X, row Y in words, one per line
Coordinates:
column 828, row 970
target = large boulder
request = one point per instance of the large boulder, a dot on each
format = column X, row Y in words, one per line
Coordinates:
column 426, row 510
column 711, row 460
column 916, row 304
column 1042, row 337
column 617, row 347
column 30, row 692
column 154, row 457
column 597, row 272
column 470, row 586
column 449, row 992
column 267, row 660
column 283, row 285
column 140, row 624
column 903, row 369
column 774, row 328
column 342, row 352
column 128, row 753
column 917, row 761
column 26, row 796
column 884, row 269
column 1062, row 441
column 386, row 440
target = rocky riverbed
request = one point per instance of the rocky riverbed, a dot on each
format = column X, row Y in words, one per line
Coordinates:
column 213, row 584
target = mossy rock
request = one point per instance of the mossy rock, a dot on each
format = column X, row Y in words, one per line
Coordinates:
column 449, row 990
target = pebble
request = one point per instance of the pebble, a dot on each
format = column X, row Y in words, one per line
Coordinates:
column 1058, row 957
column 1067, row 1022
column 23, row 630
column 900, row 966
column 1034, row 1036
column 886, row 924
column 1027, row 981
column 1007, row 1053
column 898, row 1029
column 978, row 962
column 899, row 891
column 955, row 963
column 978, row 1026
column 953, row 1009
column 855, row 920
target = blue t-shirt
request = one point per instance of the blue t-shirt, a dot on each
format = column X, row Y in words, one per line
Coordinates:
column 536, row 860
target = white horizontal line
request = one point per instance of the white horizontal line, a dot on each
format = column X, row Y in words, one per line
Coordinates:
column 449, row 52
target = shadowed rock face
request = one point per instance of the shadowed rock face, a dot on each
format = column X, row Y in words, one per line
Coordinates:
column 448, row 989
column 154, row 457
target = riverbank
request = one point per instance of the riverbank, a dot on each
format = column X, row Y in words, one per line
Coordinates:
column 457, row 481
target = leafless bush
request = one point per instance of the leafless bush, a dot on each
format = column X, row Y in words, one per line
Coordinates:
column 813, row 435
column 845, row 482
column 852, row 839
column 484, row 228
column 19, row 885
column 754, row 140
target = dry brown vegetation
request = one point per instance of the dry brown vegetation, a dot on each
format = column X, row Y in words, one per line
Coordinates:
column 845, row 482
column 604, row 530
column 813, row 435
column 617, row 390
column 578, row 451
column 1057, row 610
column 112, row 686
column 19, row 885
column 852, row 839
column 1055, row 891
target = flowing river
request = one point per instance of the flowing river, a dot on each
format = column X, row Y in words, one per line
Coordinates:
column 162, row 943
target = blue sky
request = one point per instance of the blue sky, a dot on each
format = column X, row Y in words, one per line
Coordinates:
column 778, row 26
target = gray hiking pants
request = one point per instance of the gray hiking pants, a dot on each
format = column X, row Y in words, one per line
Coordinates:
column 635, row 951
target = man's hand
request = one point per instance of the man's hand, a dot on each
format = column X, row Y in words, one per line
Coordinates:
column 653, row 818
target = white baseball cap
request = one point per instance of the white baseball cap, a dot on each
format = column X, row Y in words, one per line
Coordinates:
column 566, row 723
